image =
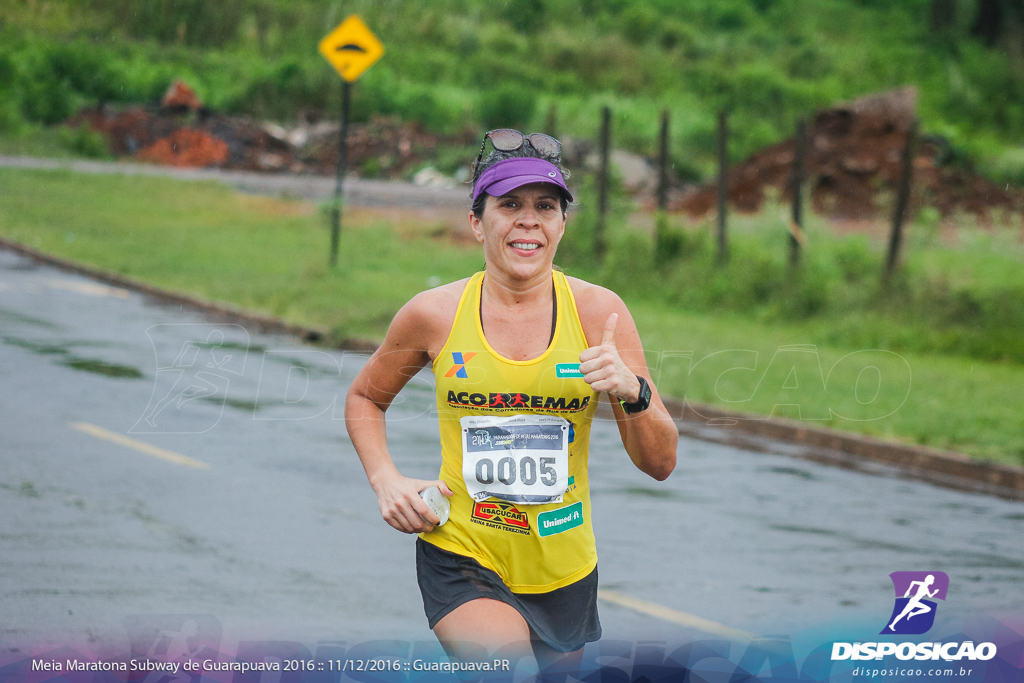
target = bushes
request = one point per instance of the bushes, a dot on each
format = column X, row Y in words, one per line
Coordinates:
column 10, row 113
column 85, row 142
column 197, row 23
column 669, row 242
column 48, row 81
column 767, row 60
column 275, row 92
column 835, row 292
column 46, row 101
column 508, row 105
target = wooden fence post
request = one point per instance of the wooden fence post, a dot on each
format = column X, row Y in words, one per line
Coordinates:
column 663, row 163
column 902, row 201
column 600, row 245
column 796, row 228
column 551, row 121
column 723, row 185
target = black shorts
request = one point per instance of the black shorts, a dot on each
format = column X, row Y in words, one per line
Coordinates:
column 565, row 618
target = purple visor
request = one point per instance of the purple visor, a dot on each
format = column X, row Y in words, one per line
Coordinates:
column 509, row 174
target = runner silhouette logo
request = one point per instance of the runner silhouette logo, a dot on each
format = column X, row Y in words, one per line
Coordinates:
column 916, row 592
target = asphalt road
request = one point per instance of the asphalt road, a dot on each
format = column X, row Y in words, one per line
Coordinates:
column 155, row 464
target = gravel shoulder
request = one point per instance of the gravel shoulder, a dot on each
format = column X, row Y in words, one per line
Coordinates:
column 357, row 191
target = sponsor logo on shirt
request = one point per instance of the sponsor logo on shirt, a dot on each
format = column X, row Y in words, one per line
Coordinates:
column 556, row 521
column 500, row 515
column 460, row 358
column 564, row 370
column 514, row 401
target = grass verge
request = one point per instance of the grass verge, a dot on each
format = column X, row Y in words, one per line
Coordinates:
column 269, row 256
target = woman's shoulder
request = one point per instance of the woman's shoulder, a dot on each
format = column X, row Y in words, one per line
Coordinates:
column 435, row 304
column 428, row 316
column 594, row 304
column 593, row 297
column 439, row 298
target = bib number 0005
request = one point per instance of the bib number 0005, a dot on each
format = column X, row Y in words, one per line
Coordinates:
column 527, row 473
column 519, row 458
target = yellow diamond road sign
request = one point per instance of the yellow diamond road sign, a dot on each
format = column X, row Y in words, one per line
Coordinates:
column 351, row 48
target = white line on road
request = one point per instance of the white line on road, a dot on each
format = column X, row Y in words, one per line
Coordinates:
column 148, row 449
column 89, row 288
column 675, row 616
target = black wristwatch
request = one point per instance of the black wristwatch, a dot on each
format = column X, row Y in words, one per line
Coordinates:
column 642, row 403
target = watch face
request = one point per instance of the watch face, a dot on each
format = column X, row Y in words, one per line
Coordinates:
column 643, row 401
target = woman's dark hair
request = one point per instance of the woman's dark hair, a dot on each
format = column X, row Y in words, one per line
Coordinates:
column 526, row 150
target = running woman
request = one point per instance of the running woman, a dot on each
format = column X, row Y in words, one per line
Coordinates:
column 520, row 353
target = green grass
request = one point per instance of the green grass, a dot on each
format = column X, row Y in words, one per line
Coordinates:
column 960, row 295
column 261, row 254
column 269, row 255
column 37, row 141
column 945, row 402
column 767, row 61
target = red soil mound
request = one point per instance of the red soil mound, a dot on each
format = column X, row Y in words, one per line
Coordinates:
column 185, row 147
column 853, row 160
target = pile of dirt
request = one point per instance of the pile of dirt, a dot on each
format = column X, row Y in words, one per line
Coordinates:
column 181, row 97
column 383, row 147
column 853, row 163
column 181, row 131
column 186, row 148
column 196, row 139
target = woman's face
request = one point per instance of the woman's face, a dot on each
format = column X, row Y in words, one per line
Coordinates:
column 521, row 230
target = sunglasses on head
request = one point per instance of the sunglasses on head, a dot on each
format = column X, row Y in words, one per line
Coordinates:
column 509, row 140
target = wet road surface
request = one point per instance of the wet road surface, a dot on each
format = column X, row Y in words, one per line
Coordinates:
column 155, row 462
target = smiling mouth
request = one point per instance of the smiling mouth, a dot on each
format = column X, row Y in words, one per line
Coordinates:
column 525, row 246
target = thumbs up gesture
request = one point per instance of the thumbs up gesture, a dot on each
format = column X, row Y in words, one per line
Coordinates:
column 604, row 370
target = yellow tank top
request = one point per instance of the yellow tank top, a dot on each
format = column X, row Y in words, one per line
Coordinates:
column 533, row 548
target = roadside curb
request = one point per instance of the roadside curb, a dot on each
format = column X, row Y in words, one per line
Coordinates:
column 697, row 420
column 846, row 449
column 263, row 323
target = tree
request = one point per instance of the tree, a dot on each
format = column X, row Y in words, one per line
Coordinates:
column 942, row 15
column 1000, row 24
column 988, row 21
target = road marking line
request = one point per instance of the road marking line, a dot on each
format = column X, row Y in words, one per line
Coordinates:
column 146, row 448
column 675, row 616
column 89, row 288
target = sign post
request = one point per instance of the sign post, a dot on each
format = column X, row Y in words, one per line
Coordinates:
column 351, row 49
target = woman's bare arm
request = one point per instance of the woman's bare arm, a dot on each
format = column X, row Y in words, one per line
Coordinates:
column 611, row 364
column 406, row 349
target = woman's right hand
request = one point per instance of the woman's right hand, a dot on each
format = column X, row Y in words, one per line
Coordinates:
column 401, row 506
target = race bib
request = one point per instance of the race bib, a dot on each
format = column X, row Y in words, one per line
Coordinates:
column 519, row 458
